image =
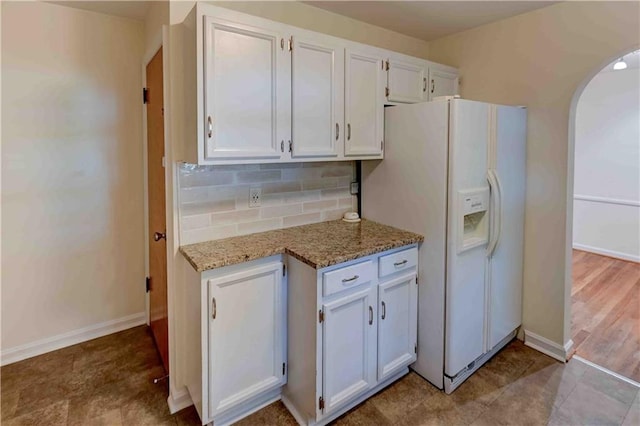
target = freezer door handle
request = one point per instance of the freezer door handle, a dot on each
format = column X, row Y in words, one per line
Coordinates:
column 496, row 211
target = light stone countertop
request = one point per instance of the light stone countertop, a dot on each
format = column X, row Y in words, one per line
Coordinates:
column 318, row 245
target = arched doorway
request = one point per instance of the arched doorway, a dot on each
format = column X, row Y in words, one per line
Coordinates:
column 603, row 247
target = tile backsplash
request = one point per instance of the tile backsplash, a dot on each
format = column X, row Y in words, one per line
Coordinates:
column 214, row 200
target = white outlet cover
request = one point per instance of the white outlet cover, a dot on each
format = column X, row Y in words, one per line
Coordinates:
column 255, row 197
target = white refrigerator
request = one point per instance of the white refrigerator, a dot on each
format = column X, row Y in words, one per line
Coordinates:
column 454, row 171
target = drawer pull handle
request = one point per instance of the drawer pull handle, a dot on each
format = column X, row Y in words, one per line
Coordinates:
column 384, row 310
column 348, row 280
column 400, row 263
column 370, row 315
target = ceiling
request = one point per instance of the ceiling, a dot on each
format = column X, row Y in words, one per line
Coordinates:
column 125, row 9
column 429, row 20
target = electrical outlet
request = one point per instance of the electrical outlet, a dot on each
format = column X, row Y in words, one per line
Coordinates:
column 255, row 197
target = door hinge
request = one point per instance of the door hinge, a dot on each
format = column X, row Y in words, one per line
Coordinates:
column 321, row 403
column 387, row 65
column 284, row 270
column 145, row 95
column 320, row 316
column 291, row 44
column 415, row 348
column 147, row 284
column 386, row 92
column 284, row 368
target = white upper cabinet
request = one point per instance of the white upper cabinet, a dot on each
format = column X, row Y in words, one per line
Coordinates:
column 246, row 75
column 442, row 83
column 259, row 91
column 364, row 104
column 317, row 97
column 406, row 82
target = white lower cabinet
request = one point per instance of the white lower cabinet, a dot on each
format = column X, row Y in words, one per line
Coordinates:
column 397, row 328
column 236, row 358
column 349, row 347
column 322, row 340
column 352, row 331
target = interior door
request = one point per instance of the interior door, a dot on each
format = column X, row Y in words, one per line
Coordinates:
column 246, row 79
column 364, row 104
column 442, row 83
column 317, row 98
column 349, row 347
column 397, row 325
column 508, row 159
column 406, row 82
column 157, row 213
column 246, row 335
column 465, row 302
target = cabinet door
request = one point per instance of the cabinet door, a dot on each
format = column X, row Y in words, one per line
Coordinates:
column 246, row 336
column 406, row 82
column 397, row 327
column 349, row 348
column 246, row 77
column 317, row 106
column 364, row 104
column 442, row 83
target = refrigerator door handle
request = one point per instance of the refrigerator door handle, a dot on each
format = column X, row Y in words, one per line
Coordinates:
column 496, row 214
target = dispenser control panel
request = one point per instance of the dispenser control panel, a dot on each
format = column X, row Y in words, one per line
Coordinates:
column 475, row 203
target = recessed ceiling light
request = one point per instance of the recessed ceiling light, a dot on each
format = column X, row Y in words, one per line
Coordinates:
column 620, row 65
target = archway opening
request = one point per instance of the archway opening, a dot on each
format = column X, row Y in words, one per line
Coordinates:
column 604, row 283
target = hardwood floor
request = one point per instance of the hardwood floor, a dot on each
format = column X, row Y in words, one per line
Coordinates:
column 605, row 314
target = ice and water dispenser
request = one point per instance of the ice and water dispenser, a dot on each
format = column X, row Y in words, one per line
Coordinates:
column 473, row 218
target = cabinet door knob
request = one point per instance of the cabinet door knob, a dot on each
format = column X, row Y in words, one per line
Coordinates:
column 214, row 308
column 370, row 315
column 157, row 236
column 384, row 310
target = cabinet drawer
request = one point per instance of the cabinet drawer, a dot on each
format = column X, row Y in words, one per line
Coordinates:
column 396, row 262
column 345, row 278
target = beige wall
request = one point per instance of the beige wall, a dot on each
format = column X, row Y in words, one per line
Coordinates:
column 72, row 195
column 540, row 59
column 157, row 15
column 312, row 18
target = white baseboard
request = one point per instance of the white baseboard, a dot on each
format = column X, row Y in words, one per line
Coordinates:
column 605, row 252
column 39, row 347
column 179, row 400
column 547, row 347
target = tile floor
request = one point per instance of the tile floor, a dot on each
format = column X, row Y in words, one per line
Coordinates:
column 107, row 381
